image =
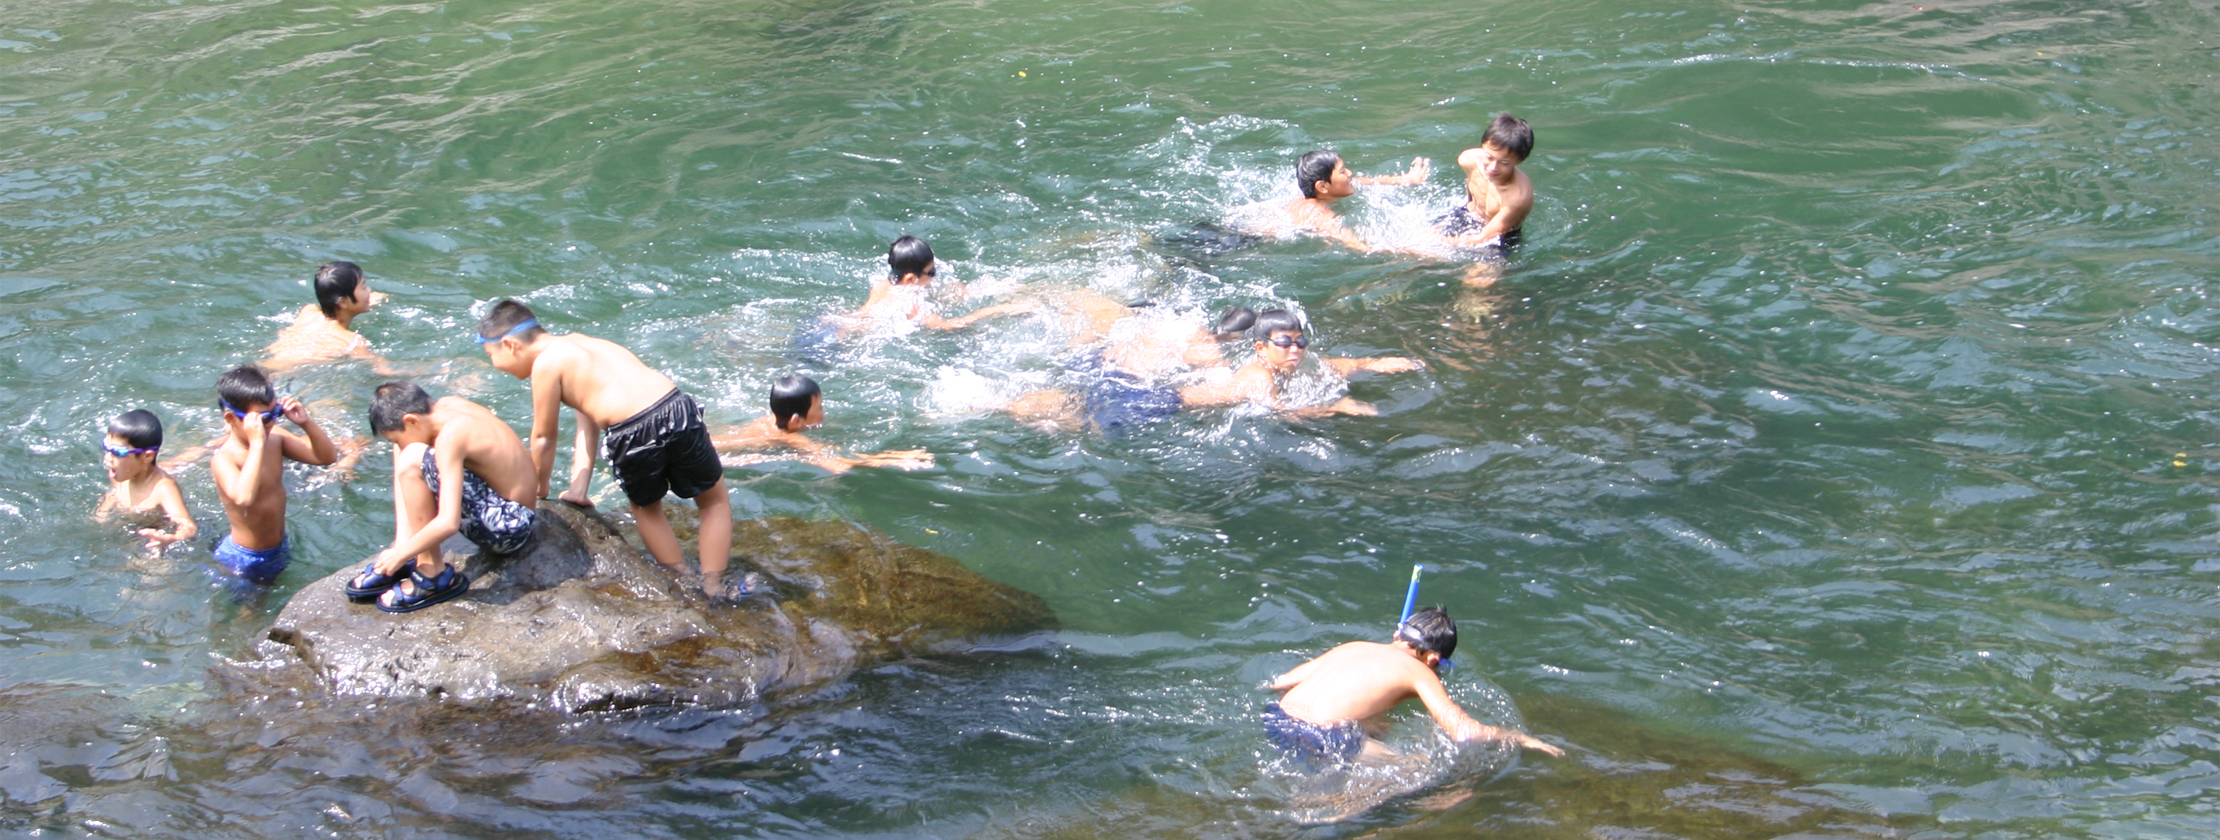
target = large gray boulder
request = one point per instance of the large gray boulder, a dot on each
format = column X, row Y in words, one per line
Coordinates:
column 583, row 621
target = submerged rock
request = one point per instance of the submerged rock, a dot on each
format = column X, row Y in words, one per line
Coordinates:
column 583, row 621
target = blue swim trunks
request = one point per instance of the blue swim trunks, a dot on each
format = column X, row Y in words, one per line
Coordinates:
column 1119, row 403
column 257, row 567
column 1314, row 745
column 489, row 519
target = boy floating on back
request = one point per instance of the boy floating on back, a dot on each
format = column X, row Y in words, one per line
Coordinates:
column 138, row 488
column 248, row 469
column 456, row 469
column 797, row 405
column 656, row 442
column 1336, row 705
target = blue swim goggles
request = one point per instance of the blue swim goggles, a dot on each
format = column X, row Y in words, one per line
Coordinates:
column 126, row 451
column 269, row 415
column 526, row 324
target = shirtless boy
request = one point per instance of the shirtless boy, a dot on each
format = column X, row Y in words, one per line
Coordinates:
column 248, row 469
column 911, row 272
column 456, row 469
column 797, row 405
column 138, row 488
column 1336, row 705
column 1116, row 402
column 1497, row 195
column 656, row 440
column 324, row 332
column 1325, row 179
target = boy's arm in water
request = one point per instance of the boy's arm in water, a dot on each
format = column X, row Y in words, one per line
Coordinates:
column 1417, row 174
column 182, row 527
column 933, row 319
column 317, row 448
column 1375, row 364
column 1461, row 726
column 1251, row 383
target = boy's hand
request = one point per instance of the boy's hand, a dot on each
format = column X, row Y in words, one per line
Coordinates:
column 1420, row 168
column 1533, row 743
column 254, row 425
column 294, row 410
column 900, row 459
column 157, row 539
column 384, row 564
column 1394, row 364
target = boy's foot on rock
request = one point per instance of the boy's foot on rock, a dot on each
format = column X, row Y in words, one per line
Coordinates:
column 733, row 592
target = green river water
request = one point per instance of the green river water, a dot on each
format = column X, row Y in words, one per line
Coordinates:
column 1835, row 459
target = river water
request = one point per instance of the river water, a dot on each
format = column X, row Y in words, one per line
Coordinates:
column 1836, row 456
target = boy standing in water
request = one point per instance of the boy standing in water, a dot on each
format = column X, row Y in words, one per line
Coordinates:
column 1324, row 179
column 324, row 332
column 249, row 471
column 656, row 441
column 797, row 405
column 1336, row 704
column 456, row 469
column 1497, row 195
column 138, row 488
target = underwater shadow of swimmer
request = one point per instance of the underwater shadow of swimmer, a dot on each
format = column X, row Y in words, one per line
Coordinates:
column 1196, row 246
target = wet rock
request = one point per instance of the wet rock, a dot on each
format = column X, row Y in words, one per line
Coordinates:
column 583, row 621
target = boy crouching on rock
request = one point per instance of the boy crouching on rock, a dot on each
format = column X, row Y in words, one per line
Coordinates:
column 456, row 469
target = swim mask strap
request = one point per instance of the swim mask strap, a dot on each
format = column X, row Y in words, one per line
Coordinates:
column 526, row 324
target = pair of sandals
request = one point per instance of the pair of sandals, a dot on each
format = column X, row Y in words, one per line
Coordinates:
column 386, row 590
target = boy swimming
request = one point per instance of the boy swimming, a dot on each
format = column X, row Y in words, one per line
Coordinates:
column 651, row 431
column 456, row 469
column 1324, row 179
column 138, row 488
column 797, row 405
column 1115, row 402
column 324, row 331
column 248, row 469
column 1334, row 706
column 904, row 294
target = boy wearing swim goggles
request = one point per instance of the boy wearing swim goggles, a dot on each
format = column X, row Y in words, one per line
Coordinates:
column 248, row 469
column 138, row 488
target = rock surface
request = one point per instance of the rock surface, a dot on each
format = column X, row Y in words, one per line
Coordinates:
column 583, row 621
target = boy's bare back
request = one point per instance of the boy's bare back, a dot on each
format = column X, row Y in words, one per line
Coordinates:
column 488, row 447
column 1355, row 681
column 599, row 379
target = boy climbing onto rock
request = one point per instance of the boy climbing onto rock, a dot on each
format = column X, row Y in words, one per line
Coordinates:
column 797, row 405
column 249, row 471
column 138, row 488
column 456, row 469
column 1336, row 705
column 656, row 442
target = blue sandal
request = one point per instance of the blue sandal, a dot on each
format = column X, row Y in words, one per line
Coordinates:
column 366, row 587
column 429, row 591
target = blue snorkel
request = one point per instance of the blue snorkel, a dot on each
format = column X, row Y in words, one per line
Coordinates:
column 1410, row 601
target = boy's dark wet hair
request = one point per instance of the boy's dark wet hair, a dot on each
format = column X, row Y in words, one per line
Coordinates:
column 395, row 400
column 790, row 398
column 1274, row 320
column 1430, row 630
column 245, row 387
column 503, row 317
column 138, row 427
column 1510, row 134
column 908, row 255
column 335, row 282
column 1314, row 167
column 1237, row 319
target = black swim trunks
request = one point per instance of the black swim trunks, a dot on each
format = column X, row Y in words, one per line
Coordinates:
column 1460, row 220
column 1314, row 745
column 665, row 447
column 493, row 521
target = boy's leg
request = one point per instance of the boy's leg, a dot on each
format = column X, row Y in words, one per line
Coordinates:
column 414, row 504
column 655, row 530
column 716, row 536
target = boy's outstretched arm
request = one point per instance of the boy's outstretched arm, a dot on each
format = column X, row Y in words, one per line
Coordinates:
column 1462, row 727
column 1375, row 364
column 1417, row 174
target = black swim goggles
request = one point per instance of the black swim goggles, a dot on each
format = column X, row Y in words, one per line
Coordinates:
column 1302, row 341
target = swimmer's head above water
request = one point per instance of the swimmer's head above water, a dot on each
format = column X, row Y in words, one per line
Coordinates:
column 1280, row 342
column 337, row 284
column 797, row 403
column 910, row 261
column 1238, row 319
column 1321, row 174
column 1430, row 635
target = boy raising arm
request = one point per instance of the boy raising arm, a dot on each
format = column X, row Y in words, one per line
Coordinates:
column 656, row 440
column 248, row 469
